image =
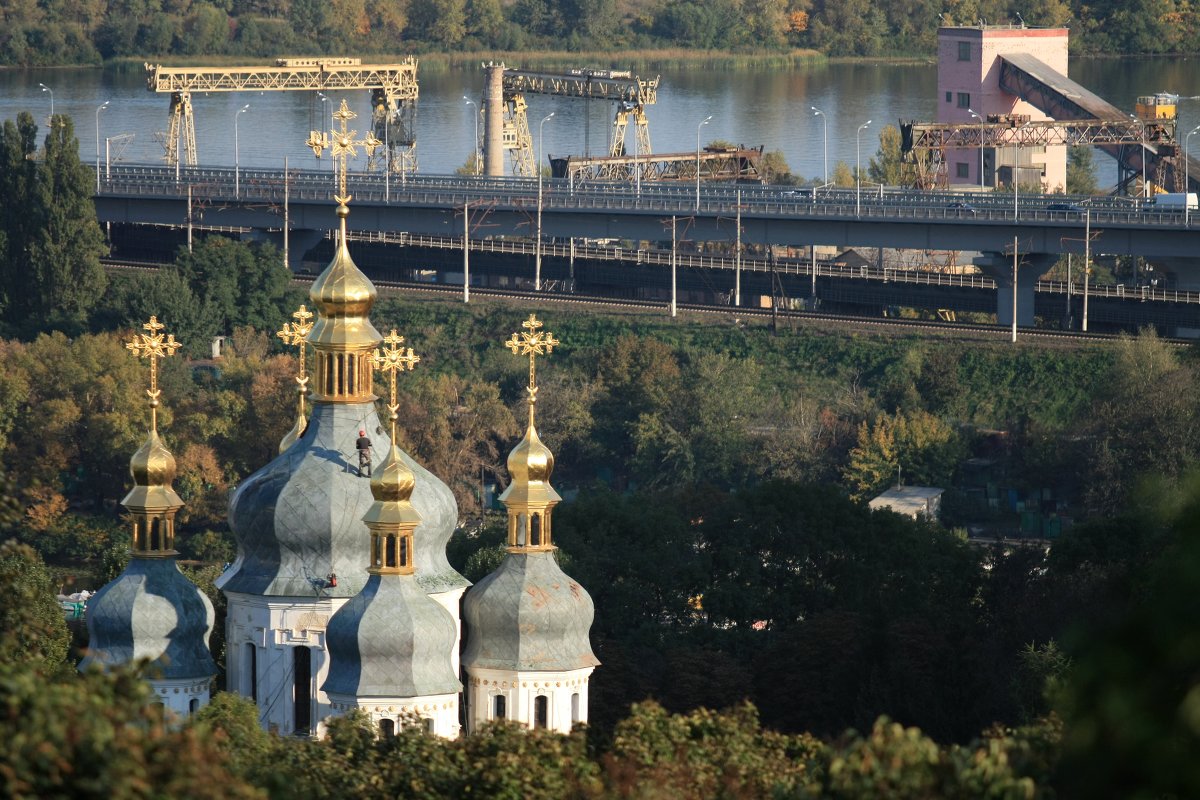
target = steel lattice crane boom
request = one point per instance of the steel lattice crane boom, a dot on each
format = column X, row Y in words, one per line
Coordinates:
column 631, row 94
column 926, row 143
column 393, row 97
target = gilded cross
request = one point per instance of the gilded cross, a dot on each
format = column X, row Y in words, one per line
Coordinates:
column 393, row 358
column 296, row 334
column 153, row 345
column 342, row 144
column 532, row 342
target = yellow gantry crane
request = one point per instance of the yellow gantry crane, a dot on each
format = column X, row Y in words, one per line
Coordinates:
column 393, row 97
column 630, row 93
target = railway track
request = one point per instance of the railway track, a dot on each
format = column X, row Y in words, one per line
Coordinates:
column 785, row 316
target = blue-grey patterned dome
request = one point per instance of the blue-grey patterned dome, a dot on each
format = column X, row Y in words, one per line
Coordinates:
column 299, row 518
column 391, row 640
column 151, row 611
column 528, row 615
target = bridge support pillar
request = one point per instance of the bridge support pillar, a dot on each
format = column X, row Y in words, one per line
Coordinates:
column 299, row 243
column 1031, row 266
column 493, row 121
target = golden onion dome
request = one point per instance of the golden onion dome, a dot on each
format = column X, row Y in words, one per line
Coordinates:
column 392, row 487
column 530, row 460
column 153, row 470
column 343, row 296
column 529, row 466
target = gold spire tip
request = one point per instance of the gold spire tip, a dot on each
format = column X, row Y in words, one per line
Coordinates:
column 153, row 345
column 390, row 359
column 341, row 144
column 532, row 342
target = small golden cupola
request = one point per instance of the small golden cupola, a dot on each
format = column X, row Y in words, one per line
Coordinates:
column 392, row 518
column 530, row 498
column 152, row 502
column 343, row 336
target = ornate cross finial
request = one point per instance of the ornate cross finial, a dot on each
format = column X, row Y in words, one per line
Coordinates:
column 342, row 144
column 153, row 345
column 295, row 334
column 532, row 342
column 393, row 358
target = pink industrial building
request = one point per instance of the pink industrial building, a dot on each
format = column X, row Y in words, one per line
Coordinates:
column 969, row 81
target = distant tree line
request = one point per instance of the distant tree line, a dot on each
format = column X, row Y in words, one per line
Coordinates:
column 39, row 32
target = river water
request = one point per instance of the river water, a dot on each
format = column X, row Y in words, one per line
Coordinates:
column 750, row 107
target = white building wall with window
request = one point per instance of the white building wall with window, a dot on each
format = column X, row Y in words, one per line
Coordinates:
column 494, row 694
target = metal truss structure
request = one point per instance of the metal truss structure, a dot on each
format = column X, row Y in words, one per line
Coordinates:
column 716, row 164
column 631, row 94
column 393, row 97
column 925, row 144
column 1143, row 145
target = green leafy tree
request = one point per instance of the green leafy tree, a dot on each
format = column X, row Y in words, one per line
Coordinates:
column 33, row 631
column 50, row 243
column 1144, row 421
column 1081, row 171
column 888, row 166
column 842, row 175
column 1130, row 705
column 101, row 735
column 238, row 284
column 919, row 445
column 18, row 221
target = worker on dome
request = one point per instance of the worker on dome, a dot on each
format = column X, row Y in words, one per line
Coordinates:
column 364, row 453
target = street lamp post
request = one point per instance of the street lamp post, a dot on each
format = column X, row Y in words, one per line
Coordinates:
column 825, row 153
column 537, row 249
column 46, row 88
column 237, row 164
column 976, row 116
column 387, row 152
column 1186, row 188
column 858, row 168
column 698, row 127
column 475, row 168
column 98, row 110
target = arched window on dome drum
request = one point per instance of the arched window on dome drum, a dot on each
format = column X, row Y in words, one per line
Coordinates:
column 194, row 705
column 250, row 671
column 541, row 711
column 575, row 708
column 499, row 707
column 139, row 535
column 155, row 535
column 302, row 690
column 404, row 551
column 428, row 724
column 390, row 547
column 517, row 535
column 328, row 361
column 535, row 530
column 387, row 728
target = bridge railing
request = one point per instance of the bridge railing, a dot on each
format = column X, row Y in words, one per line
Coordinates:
column 213, row 184
column 792, row 266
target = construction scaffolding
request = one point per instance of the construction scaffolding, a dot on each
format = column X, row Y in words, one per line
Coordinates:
column 630, row 93
column 715, row 164
column 393, row 98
